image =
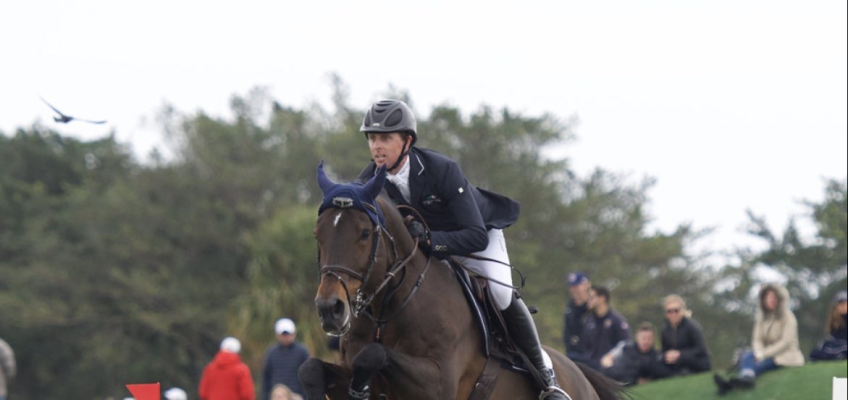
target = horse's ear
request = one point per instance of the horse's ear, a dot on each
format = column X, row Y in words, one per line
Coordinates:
column 375, row 185
column 323, row 181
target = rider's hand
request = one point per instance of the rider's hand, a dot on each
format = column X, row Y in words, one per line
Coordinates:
column 416, row 230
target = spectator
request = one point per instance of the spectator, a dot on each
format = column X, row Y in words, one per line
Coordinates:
column 775, row 340
column 175, row 394
column 283, row 360
column 637, row 362
column 227, row 377
column 576, row 312
column 604, row 330
column 835, row 346
column 683, row 348
column 7, row 368
column 282, row 392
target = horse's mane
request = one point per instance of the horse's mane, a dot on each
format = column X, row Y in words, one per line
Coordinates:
column 390, row 212
column 394, row 219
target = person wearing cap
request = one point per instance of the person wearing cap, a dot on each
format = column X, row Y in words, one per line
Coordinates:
column 576, row 313
column 175, row 393
column 7, row 368
column 283, row 360
column 605, row 329
column 835, row 346
column 463, row 220
column 227, row 377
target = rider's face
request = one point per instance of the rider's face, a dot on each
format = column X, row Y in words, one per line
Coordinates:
column 386, row 148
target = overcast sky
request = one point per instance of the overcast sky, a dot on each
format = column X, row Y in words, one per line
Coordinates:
column 730, row 105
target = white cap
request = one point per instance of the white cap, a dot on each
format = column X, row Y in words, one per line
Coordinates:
column 176, row 394
column 284, row 325
column 231, row 345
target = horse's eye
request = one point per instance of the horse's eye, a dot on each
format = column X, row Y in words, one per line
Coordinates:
column 366, row 233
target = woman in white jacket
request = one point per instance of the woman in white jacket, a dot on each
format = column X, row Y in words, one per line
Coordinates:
column 775, row 340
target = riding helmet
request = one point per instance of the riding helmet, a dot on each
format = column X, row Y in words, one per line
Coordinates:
column 388, row 116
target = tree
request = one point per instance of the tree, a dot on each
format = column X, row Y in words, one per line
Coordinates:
column 120, row 272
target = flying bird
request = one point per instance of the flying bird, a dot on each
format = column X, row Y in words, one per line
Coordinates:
column 62, row 118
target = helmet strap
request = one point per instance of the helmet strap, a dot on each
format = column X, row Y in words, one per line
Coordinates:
column 403, row 154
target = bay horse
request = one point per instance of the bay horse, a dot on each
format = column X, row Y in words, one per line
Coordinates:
column 407, row 330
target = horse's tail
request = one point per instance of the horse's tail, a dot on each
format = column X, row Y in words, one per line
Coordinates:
column 606, row 388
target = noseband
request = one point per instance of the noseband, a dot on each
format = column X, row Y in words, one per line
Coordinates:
column 362, row 300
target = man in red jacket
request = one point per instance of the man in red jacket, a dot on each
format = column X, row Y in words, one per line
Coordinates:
column 227, row 377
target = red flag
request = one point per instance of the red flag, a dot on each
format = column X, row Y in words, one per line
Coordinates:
column 145, row 391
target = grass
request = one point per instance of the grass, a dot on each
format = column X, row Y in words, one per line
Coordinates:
column 810, row 382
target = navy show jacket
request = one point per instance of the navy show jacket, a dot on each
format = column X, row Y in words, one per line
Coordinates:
column 457, row 213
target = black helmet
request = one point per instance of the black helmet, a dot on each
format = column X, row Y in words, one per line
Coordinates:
column 388, row 116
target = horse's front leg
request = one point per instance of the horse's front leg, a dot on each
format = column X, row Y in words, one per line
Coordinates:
column 368, row 362
column 411, row 378
column 320, row 379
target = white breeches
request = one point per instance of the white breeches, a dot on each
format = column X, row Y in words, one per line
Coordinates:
column 492, row 270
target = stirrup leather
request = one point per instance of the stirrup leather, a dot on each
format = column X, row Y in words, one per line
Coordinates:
column 551, row 390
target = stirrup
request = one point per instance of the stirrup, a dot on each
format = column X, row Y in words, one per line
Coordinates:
column 551, row 390
column 365, row 394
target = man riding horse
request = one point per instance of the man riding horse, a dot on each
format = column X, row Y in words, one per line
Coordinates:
column 463, row 219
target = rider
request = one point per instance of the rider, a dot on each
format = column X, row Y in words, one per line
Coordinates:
column 463, row 219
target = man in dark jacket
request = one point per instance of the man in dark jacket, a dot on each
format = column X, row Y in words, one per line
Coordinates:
column 283, row 360
column 464, row 220
column 638, row 362
column 605, row 329
column 684, row 349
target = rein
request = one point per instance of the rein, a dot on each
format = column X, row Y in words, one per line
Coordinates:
column 472, row 256
column 361, row 302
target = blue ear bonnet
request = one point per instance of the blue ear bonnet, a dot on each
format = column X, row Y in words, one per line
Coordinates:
column 362, row 197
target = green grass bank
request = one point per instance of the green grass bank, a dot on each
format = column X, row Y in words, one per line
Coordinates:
column 810, row 382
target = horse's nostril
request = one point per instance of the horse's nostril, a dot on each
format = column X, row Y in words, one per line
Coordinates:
column 338, row 308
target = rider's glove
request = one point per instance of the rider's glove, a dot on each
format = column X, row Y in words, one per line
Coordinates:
column 416, row 230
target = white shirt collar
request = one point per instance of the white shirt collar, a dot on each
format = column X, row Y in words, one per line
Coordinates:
column 401, row 179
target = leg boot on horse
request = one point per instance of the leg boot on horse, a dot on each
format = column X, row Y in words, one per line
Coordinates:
column 523, row 331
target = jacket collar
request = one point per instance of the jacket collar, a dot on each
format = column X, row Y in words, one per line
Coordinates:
column 416, row 175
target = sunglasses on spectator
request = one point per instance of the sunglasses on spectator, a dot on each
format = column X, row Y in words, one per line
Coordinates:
column 672, row 311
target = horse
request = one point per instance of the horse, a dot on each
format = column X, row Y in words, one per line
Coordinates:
column 407, row 330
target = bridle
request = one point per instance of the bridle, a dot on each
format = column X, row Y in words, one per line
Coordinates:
column 362, row 301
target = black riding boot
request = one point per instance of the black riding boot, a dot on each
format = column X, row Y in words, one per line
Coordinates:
column 523, row 330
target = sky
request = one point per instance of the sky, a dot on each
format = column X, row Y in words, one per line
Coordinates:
column 729, row 105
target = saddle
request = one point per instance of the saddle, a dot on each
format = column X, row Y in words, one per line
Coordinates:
column 498, row 346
